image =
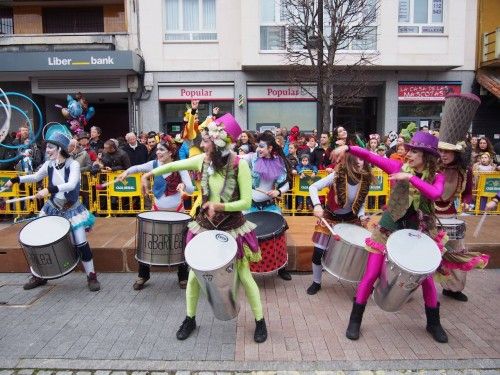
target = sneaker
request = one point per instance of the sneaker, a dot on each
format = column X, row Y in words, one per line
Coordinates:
column 313, row 289
column 260, row 334
column 183, row 284
column 34, row 282
column 459, row 296
column 187, row 327
column 92, row 282
column 284, row 274
column 139, row 283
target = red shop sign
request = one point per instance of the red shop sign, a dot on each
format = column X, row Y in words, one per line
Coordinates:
column 426, row 92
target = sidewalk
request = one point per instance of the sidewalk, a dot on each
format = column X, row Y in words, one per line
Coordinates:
column 65, row 326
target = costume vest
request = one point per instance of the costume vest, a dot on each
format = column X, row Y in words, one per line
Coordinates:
column 337, row 196
column 71, row 196
column 168, row 185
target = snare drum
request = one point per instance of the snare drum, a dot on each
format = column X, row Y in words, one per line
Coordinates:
column 161, row 237
column 212, row 256
column 346, row 258
column 454, row 228
column 46, row 243
column 411, row 257
column 270, row 233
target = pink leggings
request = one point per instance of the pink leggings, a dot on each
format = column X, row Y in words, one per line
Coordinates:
column 372, row 273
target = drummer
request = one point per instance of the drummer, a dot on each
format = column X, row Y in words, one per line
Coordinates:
column 226, row 191
column 271, row 177
column 349, row 185
column 64, row 188
column 458, row 113
column 417, row 184
column 167, row 191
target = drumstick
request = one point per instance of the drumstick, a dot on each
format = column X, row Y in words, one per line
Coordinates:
column 335, row 235
column 102, row 186
column 479, row 225
column 20, row 199
column 3, row 188
column 264, row 192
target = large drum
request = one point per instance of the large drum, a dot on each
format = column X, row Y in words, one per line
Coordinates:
column 346, row 257
column 411, row 257
column 212, row 256
column 46, row 242
column 270, row 232
column 454, row 228
column 161, row 237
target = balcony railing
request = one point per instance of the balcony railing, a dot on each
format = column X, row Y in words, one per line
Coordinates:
column 64, row 42
column 491, row 46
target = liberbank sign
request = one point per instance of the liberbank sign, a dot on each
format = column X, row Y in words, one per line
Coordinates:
column 70, row 61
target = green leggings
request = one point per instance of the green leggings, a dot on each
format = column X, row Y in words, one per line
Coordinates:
column 244, row 276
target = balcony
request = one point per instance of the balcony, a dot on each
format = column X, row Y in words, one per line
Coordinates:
column 64, row 42
column 491, row 49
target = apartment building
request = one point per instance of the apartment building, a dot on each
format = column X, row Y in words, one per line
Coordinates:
column 49, row 49
column 230, row 54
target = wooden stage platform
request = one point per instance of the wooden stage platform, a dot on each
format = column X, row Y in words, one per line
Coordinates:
column 113, row 243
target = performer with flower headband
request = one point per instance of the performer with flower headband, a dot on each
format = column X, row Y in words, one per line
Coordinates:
column 226, row 191
column 167, row 190
column 64, row 188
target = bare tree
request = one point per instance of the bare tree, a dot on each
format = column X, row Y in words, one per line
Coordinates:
column 319, row 33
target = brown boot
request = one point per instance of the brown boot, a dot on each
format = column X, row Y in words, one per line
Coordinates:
column 92, row 282
column 34, row 282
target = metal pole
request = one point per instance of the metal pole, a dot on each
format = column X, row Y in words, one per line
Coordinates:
column 319, row 94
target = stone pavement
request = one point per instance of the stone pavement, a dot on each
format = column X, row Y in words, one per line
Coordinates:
column 64, row 326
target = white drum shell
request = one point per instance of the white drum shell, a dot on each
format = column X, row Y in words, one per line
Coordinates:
column 454, row 228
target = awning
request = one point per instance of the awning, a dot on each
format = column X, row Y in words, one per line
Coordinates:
column 490, row 80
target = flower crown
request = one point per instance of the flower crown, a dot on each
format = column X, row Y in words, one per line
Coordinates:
column 216, row 133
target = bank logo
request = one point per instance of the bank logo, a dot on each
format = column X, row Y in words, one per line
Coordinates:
column 57, row 61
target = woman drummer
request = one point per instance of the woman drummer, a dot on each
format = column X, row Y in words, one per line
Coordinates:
column 227, row 190
column 458, row 112
column 167, row 190
column 271, row 177
column 349, row 186
column 64, row 189
column 417, row 184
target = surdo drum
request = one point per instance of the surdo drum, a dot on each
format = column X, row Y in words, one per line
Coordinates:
column 161, row 237
column 46, row 243
column 411, row 257
column 454, row 228
column 346, row 258
column 270, row 233
column 212, row 256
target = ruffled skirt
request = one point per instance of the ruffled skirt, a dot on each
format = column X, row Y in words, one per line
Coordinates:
column 77, row 214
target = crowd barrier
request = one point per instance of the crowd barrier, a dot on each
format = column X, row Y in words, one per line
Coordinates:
column 126, row 198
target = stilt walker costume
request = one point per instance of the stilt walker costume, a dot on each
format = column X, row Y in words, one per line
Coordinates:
column 458, row 112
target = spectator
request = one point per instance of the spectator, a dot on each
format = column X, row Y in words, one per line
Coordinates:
column 113, row 158
column 77, row 153
column 246, row 138
column 95, row 143
column 292, row 157
column 339, row 137
column 23, row 139
column 399, row 141
column 143, row 138
column 137, row 152
column 381, row 151
column 83, row 139
column 373, row 143
column 320, row 156
column 151, row 145
column 280, row 141
column 400, row 153
column 484, row 145
column 305, row 165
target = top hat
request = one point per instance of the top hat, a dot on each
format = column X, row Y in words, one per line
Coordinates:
column 231, row 126
column 59, row 139
column 425, row 142
column 458, row 112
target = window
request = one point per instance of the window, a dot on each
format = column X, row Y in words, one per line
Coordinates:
column 420, row 17
column 282, row 114
column 272, row 26
column 73, row 20
column 6, row 20
column 190, row 20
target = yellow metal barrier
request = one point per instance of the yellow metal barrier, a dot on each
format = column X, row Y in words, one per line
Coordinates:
column 118, row 198
column 488, row 185
column 17, row 191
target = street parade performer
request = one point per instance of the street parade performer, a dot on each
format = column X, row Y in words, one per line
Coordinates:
column 417, row 184
column 458, row 112
column 226, row 191
column 64, row 188
column 349, row 185
column 167, row 191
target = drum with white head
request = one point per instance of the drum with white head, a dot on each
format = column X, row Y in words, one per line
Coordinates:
column 212, row 256
column 454, row 228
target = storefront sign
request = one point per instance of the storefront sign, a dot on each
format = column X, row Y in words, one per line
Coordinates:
column 426, row 92
column 280, row 92
column 186, row 93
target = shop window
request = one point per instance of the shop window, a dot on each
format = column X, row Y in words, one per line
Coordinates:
column 6, row 20
column 188, row 20
column 59, row 20
column 282, row 114
column 420, row 17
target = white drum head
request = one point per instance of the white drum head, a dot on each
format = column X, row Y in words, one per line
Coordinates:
column 44, row 231
column 351, row 233
column 210, row 250
column 413, row 251
column 166, row 216
column 450, row 221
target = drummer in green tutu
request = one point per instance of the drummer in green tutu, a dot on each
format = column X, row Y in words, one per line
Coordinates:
column 226, row 187
column 64, row 189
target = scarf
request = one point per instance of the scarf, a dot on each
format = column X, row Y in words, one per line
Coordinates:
column 269, row 169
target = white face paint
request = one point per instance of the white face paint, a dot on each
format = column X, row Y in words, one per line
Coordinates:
column 52, row 151
column 163, row 154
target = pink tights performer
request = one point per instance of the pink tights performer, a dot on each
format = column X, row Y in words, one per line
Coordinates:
column 417, row 185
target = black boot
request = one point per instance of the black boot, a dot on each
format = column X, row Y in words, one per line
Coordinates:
column 34, row 282
column 355, row 319
column 313, row 289
column 260, row 334
column 284, row 274
column 459, row 296
column 187, row 327
column 434, row 325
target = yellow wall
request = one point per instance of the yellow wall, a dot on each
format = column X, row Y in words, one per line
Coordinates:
column 489, row 20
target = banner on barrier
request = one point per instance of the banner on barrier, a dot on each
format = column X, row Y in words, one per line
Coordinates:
column 129, row 186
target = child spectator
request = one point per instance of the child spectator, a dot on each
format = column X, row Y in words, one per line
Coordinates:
column 399, row 154
column 305, row 166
